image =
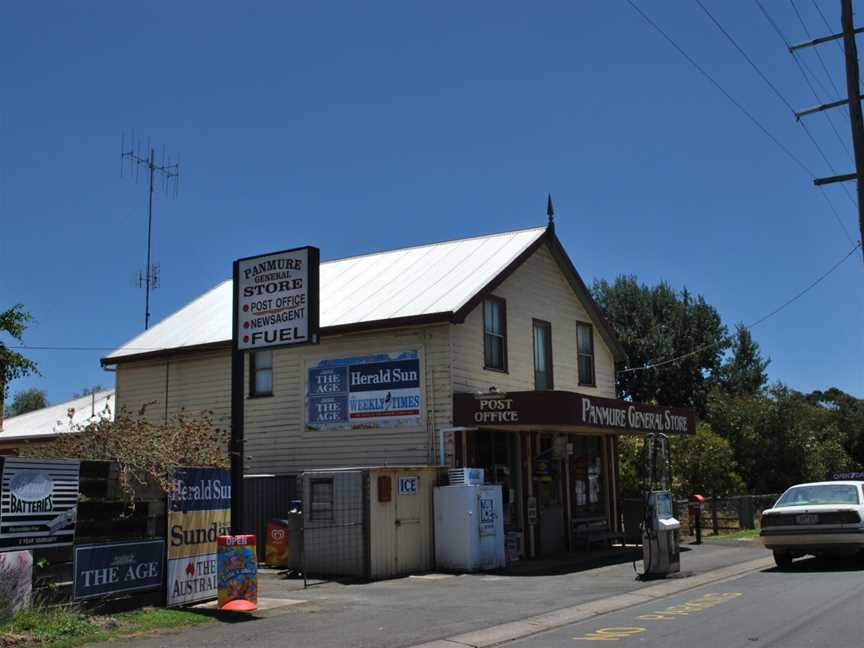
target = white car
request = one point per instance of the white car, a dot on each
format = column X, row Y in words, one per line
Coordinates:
column 816, row 519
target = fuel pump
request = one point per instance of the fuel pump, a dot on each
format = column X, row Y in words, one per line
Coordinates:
column 660, row 530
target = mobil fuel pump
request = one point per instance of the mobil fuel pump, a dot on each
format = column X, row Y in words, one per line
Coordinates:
column 660, row 530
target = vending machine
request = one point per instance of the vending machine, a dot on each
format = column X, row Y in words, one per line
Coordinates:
column 469, row 527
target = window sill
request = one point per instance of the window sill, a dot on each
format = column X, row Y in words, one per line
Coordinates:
column 254, row 396
column 496, row 370
column 581, row 384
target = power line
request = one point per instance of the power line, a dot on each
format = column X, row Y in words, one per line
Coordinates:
column 788, row 302
column 777, row 92
column 740, row 107
column 804, row 69
column 788, row 104
column 717, row 85
column 827, row 74
column 827, row 27
column 816, row 50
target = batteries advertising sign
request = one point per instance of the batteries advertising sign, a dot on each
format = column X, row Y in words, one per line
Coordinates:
column 199, row 510
column 364, row 392
column 38, row 503
column 276, row 299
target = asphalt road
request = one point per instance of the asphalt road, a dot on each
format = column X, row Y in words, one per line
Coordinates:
column 817, row 603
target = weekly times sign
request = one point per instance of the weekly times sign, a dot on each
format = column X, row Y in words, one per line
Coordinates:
column 199, row 510
column 38, row 503
column 364, row 392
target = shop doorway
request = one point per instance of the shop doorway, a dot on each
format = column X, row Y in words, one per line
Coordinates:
column 549, row 489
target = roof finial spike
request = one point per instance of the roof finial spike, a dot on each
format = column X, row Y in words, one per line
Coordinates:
column 550, row 212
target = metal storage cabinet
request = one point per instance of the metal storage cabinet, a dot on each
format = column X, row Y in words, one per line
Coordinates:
column 334, row 522
column 371, row 523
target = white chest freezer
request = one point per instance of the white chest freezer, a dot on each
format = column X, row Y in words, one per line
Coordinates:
column 469, row 528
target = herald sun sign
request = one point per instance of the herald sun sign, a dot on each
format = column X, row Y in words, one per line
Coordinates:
column 276, row 299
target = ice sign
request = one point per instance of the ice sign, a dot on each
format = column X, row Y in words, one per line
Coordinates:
column 408, row 485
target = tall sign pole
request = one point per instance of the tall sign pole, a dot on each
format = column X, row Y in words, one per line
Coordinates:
column 275, row 305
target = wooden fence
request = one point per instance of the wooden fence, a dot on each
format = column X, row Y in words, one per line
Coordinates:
column 718, row 515
column 105, row 514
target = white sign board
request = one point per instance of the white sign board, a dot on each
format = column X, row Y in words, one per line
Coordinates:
column 408, row 485
column 276, row 299
column 38, row 503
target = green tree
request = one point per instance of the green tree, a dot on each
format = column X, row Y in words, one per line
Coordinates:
column 13, row 365
column 658, row 323
column 704, row 463
column 27, row 400
column 743, row 373
column 784, row 437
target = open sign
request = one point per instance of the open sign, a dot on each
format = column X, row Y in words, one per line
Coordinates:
column 408, row 485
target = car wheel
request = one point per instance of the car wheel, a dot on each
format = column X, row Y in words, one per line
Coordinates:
column 783, row 560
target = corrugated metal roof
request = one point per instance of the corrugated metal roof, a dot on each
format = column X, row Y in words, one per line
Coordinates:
column 403, row 283
column 54, row 419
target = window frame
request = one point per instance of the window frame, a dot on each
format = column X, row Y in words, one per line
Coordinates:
column 579, row 354
column 317, row 513
column 253, row 392
column 486, row 365
column 535, row 324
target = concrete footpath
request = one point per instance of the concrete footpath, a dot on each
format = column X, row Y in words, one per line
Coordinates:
column 454, row 611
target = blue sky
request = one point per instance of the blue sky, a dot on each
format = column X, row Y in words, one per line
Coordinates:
column 365, row 126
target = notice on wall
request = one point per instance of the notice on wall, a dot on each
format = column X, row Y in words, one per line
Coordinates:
column 113, row 568
column 276, row 299
column 38, row 503
column 16, row 582
column 199, row 511
column 364, row 392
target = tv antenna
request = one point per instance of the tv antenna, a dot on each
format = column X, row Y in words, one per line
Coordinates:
column 168, row 171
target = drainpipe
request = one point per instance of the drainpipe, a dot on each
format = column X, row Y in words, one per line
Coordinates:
column 442, row 458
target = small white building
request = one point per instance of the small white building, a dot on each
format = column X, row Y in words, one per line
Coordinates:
column 49, row 422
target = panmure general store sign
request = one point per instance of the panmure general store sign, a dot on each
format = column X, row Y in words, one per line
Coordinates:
column 568, row 410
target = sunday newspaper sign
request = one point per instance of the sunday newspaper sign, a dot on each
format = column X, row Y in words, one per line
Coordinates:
column 276, row 299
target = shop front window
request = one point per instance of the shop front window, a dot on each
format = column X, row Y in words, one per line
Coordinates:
column 586, row 475
column 495, row 452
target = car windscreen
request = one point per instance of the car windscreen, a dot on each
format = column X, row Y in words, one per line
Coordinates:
column 822, row 494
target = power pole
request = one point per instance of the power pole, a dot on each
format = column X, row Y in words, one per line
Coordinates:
column 853, row 92
column 853, row 100
column 170, row 174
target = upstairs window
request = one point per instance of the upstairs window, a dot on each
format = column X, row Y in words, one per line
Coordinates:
column 542, row 355
column 495, row 334
column 261, row 373
column 585, row 352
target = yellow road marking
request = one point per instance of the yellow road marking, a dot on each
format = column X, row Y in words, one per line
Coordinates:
column 690, row 607
column 610, row 634
column 687, row 608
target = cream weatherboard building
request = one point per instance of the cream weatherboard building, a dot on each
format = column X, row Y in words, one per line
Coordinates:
column 496, row 322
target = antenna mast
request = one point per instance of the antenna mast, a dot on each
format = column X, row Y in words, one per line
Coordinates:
column 169, row 172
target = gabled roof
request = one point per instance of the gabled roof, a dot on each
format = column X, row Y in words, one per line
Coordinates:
column 427, row 283
column 53, row 420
